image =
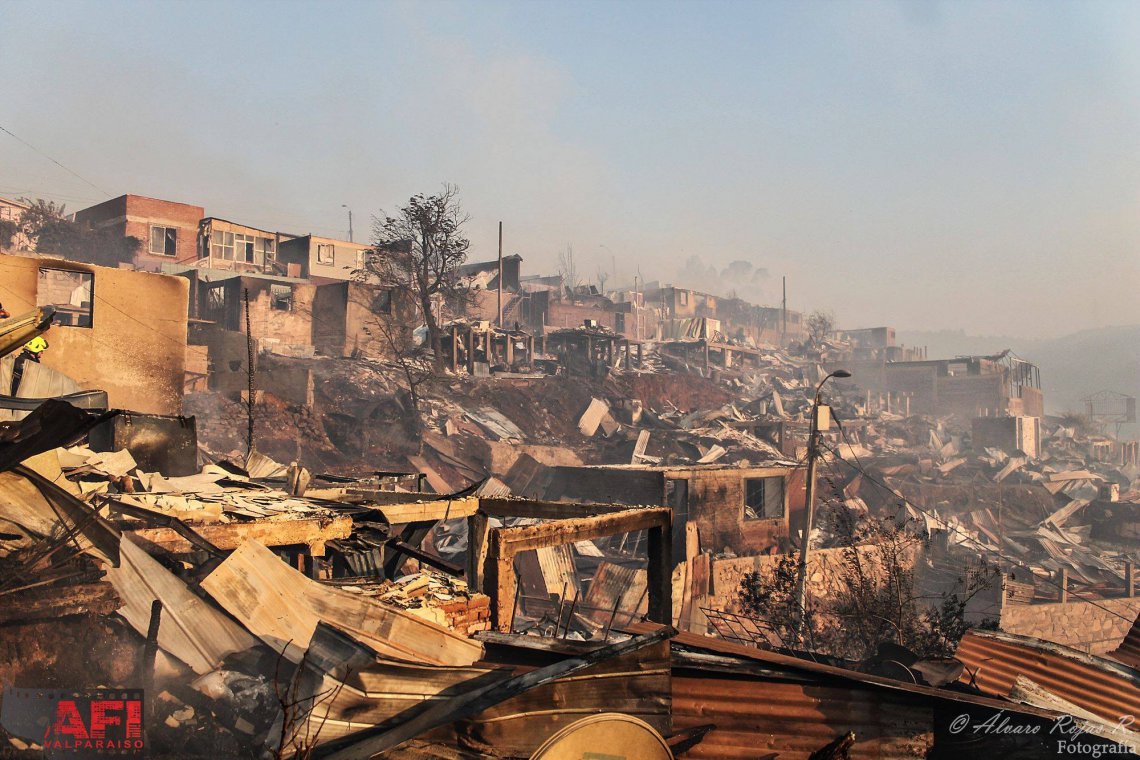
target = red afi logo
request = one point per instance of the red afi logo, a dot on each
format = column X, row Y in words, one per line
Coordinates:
column 123, row 714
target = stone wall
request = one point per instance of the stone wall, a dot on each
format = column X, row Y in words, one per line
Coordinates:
column 824, row 578
column 1094, row 628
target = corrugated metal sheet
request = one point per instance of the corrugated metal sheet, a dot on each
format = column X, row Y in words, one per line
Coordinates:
column 1129, row 650
column 755, row 716
column 191, row 630
column 558, row 571
column 1103, row 687
column 793, row 706
column 616, row 593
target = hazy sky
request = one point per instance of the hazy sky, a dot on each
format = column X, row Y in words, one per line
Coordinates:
column 926, row 165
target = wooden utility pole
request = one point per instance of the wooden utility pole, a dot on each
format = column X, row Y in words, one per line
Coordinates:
column 500, row 274
column 249, row 371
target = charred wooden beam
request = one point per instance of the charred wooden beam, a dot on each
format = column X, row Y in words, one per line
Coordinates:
column 152, row 517
column 311, row 532
column 49, row 603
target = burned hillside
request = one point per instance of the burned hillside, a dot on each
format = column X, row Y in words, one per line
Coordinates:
column 319, row 526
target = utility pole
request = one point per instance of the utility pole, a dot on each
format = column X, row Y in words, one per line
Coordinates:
column 249, row 374
column 784, row 311
column 500, row 274
column 809, row 506
column 345, row 205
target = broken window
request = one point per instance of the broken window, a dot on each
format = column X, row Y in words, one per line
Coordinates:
column 163, row 240
column 216, row 302
column 683, row 298
column 243, row 248
column 382, row 302
column 763, row 498
column 266, row 247
column 326, row 253
column 281, row 297
column 69, row 292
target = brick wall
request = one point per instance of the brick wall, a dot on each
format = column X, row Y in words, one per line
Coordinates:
column 562, row 314
column 133, row 215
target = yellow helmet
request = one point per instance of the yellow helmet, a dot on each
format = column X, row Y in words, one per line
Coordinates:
column 36, row 345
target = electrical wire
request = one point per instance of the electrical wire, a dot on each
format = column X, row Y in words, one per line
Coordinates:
column 49, row 158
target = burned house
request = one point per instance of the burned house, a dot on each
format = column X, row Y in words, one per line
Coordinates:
column 320, row 258
column 168, row 230
column 484, row 275
column 96, row 340
column 590, row 349
column 280, row 309
column 1010, row 434
column 290, row 316
column 359, row 318
column 226, row 245
column 741, row 510
column 1003, row 384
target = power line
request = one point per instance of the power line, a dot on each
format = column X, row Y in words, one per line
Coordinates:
column 49, row 158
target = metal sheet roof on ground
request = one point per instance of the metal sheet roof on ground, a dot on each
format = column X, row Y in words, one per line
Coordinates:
column 1104, row 687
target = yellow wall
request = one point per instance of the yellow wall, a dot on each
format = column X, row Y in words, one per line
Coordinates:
column 136, row 347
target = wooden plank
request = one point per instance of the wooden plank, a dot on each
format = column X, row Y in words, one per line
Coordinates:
column 569, row 531
column 229, row 536
column 660, row 574
column 282, row 607
column 394, row 733
column 502, row 579
column 97, row 598
column 429, row 511
column 545, row 510
column 506, row 543
column 478, row 534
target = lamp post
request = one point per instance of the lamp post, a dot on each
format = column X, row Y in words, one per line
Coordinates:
column 809, row 507
column 345, row 205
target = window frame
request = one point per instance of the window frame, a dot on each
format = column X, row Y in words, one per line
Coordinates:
column 331, row 251
column 222, row 241
column 760, row 509
column 280, row 294
column 169, row 235
column 68, row 310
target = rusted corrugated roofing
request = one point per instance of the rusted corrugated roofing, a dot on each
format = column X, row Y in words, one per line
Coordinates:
column 755, row 717
column 1104, row 687
column 1129, row 650
column 793, row 707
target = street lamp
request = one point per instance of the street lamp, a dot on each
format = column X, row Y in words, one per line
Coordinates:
column 812, row 456
column 345, row 205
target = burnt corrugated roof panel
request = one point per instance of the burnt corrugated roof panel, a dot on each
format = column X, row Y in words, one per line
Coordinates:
column 1101, row 686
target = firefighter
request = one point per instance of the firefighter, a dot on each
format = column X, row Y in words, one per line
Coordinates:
column 33, row 351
